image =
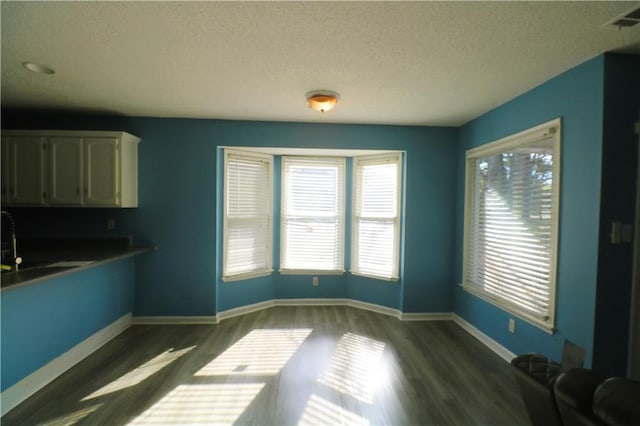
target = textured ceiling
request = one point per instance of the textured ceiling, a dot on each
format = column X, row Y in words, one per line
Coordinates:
column 425, row 63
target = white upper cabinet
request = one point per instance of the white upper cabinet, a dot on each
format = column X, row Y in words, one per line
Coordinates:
column 78, row 168
column 27, row 170
column 103, row 177
column 66, row 173
column 4, row 179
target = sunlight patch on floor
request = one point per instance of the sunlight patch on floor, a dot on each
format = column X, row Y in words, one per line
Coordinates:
column 201, row 405
column 141, row 373
column 260, row 352
column 72, row 418
column 319, row 411
column 356, row 367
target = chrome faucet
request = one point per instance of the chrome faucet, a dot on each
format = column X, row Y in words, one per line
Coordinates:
column 15, row 259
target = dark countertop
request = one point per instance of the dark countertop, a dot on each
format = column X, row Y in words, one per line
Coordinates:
column 41, row 256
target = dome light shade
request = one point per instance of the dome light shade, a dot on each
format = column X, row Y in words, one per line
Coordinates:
column 322, row 100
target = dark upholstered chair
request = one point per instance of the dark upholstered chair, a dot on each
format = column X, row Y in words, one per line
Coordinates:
column 575, row 397
column 584, row 398
column 535, row 375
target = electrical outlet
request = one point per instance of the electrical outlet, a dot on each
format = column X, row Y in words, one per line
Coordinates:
column 512, row 325
column 315, row 281
column 111, row 224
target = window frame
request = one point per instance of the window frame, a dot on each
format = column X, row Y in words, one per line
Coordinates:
column 268, row 269
column 393, row 157
column 551, row 129
column 340, row 268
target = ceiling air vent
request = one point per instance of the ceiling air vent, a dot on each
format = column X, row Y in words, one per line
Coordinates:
column 627, row 20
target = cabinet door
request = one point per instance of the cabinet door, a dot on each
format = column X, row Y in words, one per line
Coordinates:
column 65, row 170
column 5, row 170
column 102, row 173
column 27, row 169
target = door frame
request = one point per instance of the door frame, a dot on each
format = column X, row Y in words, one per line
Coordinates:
column 633, row 360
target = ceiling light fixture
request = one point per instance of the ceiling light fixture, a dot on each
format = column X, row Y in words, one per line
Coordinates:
column 38, row 68
column 322, row 100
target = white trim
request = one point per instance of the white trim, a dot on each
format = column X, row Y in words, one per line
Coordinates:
column 384, row 310
column 633, row 357
column 496, row 347
column 426, row 316
column 267, row 269
column 550, row 129
column 314, row 152
column 310, row 272
column 230, row 313
column 357, row 188
column 374, row 277
column 311, row 302
column 175, row 320
column 288, row 213
column 243, row 310
column 35, row 381
column 247, row 275
column 539, row 132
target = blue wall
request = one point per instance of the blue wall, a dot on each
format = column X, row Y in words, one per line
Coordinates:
column 178, row 209
column 577, row 97
column 177, row 212
column 42, row 321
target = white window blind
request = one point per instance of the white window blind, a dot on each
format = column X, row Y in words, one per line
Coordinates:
column 511, row 222
column 376, row 216
column 312, row 214
column 248, row 215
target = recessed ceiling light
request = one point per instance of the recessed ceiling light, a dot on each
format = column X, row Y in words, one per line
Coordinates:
column 39, row 68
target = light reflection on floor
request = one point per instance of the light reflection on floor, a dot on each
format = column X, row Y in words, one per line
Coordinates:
column 201, row 405
column 319, row 411
column 141, row 373
column 73, row 418
column 356, row 367
column 262, row 352
column 355, row 371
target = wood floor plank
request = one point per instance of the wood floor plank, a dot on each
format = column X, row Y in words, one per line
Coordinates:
column 284, row 366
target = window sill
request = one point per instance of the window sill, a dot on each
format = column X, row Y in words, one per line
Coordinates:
column 375, row 277
column 547, row 328
column 310, row 272
column 247, row 276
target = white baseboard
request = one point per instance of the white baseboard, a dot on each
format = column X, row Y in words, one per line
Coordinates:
column 384, row 310
column 174, row 320
column 311, row 302
column 35, row 381
column 426, row 316
column 243, row 310
column 496, row 347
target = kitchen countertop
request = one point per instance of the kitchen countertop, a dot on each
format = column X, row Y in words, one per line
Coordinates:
column 47, row 259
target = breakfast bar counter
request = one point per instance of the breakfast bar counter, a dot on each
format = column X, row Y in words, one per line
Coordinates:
column 47, row 259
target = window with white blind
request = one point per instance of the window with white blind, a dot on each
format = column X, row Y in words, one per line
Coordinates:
column 247, row 233
column 511, row 223
column 312, row 215
column 376, row 216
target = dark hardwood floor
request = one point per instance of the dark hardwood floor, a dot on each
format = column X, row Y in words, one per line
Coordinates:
column 285, row 366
